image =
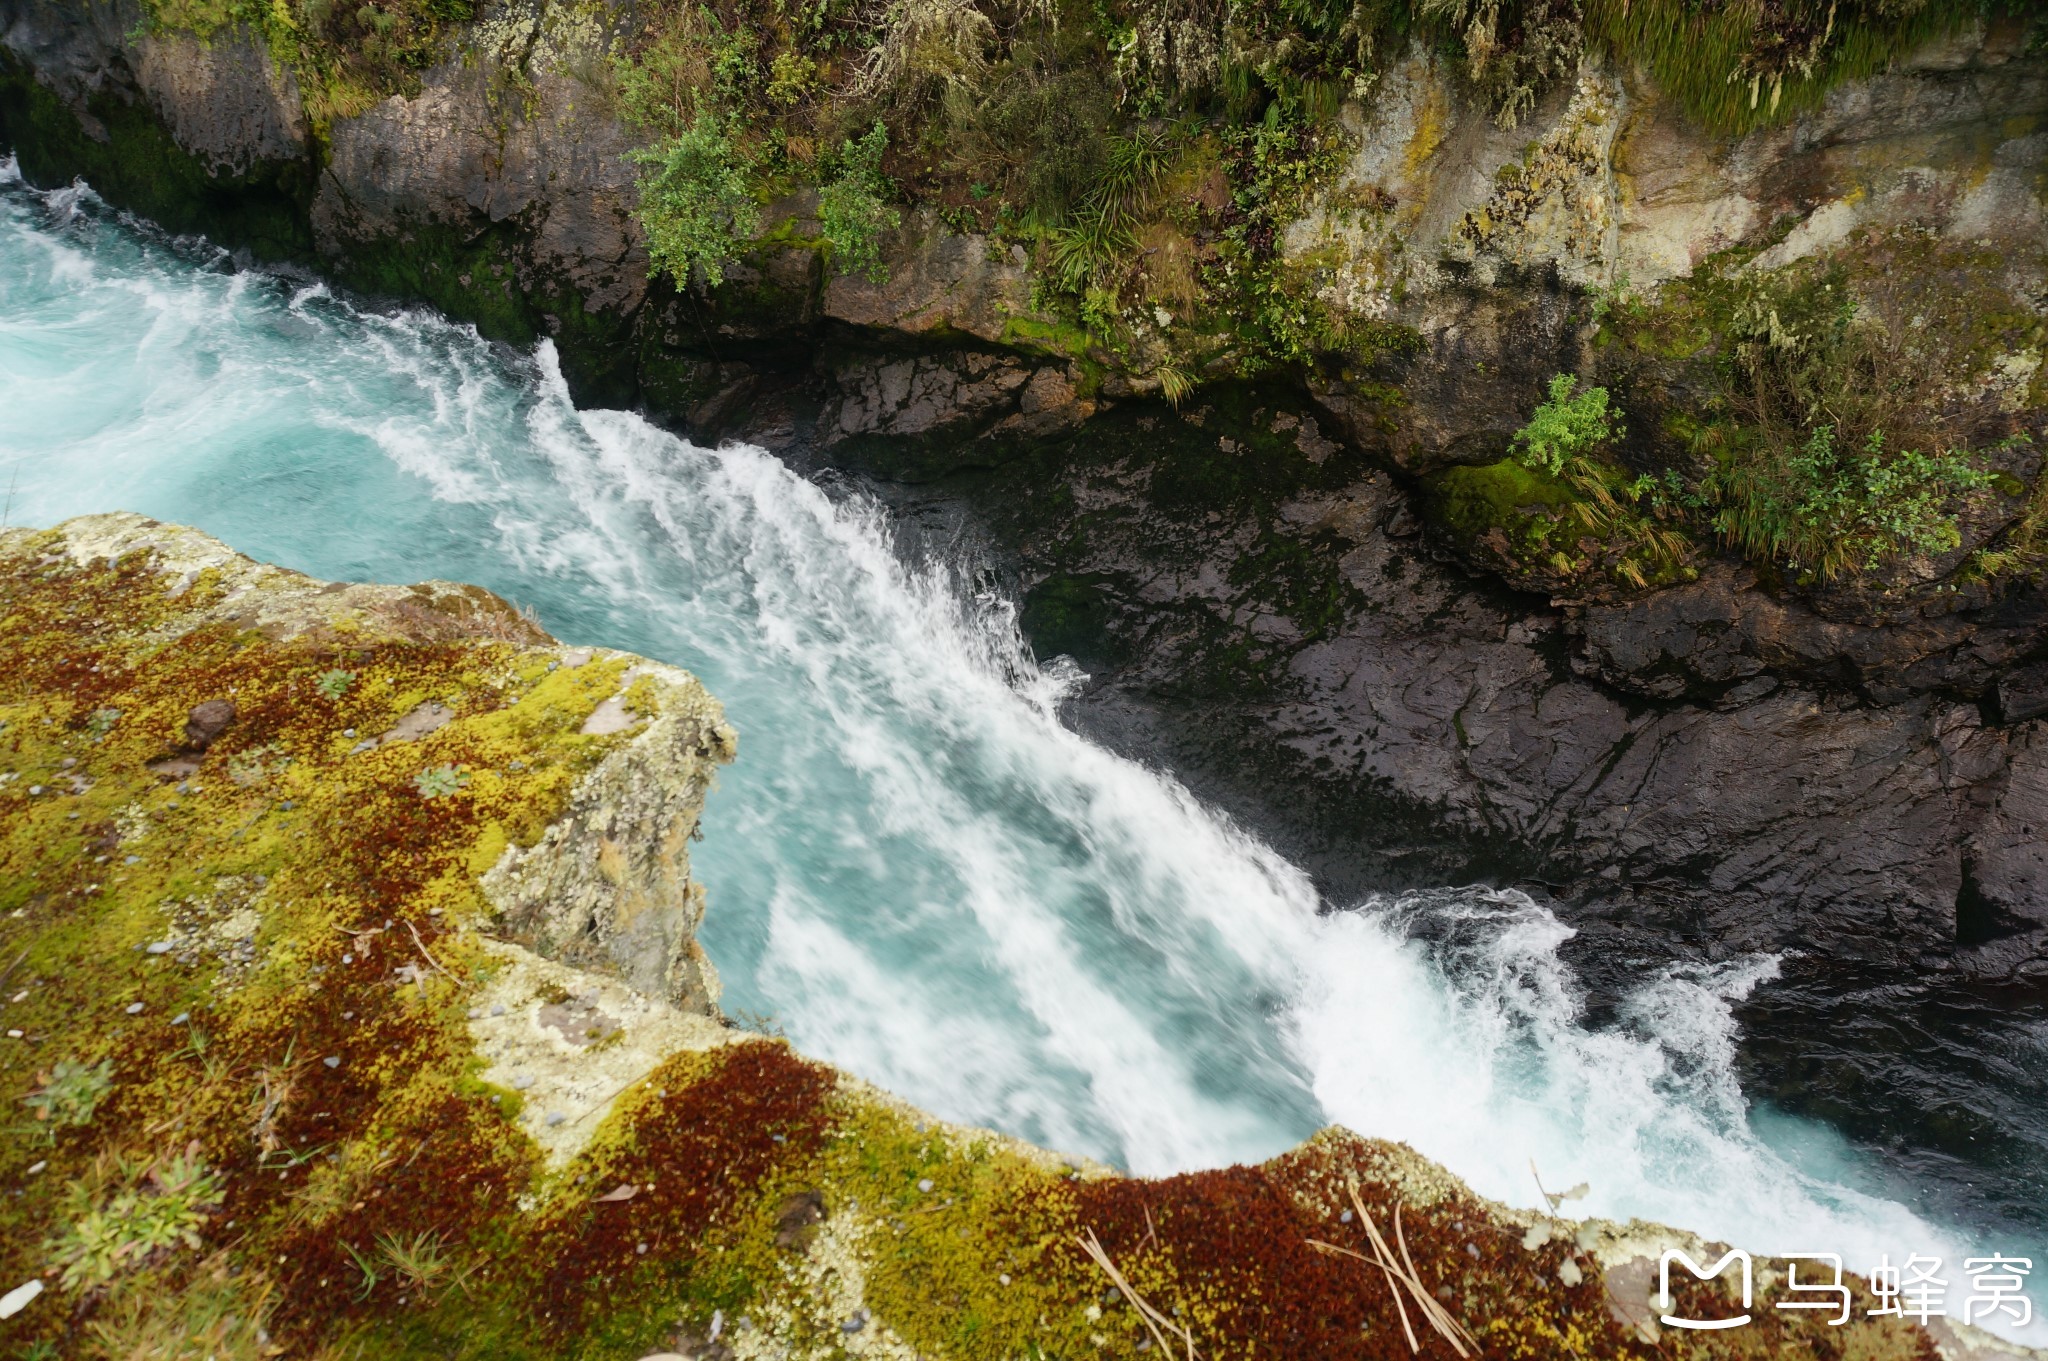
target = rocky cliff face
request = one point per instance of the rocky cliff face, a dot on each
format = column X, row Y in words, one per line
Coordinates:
column 331, row 989
column 1293, row 588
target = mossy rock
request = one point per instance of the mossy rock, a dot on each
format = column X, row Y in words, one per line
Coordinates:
column 1538, row 533
column 283, row 862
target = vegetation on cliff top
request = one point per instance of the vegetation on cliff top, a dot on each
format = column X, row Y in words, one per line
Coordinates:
column 1145, row 152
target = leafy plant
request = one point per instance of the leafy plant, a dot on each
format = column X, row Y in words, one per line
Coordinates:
column 1823, row 466
column 440, row 781
column 1564, row 439
column 153, row 1208
column 1824, row 508
column 71, row 1091
column 696, row 202
column 1566, row 429
column 852, row 207
column 334, row 684
column 102, row 722
column 927, row 46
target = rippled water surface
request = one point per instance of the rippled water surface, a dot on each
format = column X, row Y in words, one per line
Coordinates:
column 913, row 867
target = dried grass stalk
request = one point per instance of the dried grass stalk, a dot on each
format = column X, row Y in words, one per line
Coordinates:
column 1158, row 1323
column 1402, row 1274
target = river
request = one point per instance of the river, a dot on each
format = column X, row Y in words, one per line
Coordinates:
column 915, row 870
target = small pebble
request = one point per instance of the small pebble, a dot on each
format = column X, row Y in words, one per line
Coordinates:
column 521, row 1083
column 498, row 1010
column 36, row 1167
column 925, row 1184
column 332, row 1061
column 181, row 1018
column 640, row 1248
column 1004, row 1278
column 348, row 732
column 476, row 1013
column 133, row 1008
column 555, row 1118
column 131, row 859
column 348, row 959
column 348, row 1015
column 14, row 1034
column 853, row 1325
column 159, row 947
column 35, row 789
column 1344, row 1218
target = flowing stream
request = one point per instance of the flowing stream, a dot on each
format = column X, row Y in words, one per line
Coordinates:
column 914, row 868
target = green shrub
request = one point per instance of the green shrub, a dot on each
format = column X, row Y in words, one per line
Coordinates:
column 1824, row 508
column 696, row 202
column 853, row 208
column 1568, row 428
column 334, row 684
column 1565, row 439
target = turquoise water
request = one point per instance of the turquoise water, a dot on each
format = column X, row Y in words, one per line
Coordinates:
column 913, row 867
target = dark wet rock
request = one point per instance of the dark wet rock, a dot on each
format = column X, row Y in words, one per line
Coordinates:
column 1705, row 639
column 922, row 395
column 2023, row 693
column 207, row 721
column 1714, row 759
column 799, row 1212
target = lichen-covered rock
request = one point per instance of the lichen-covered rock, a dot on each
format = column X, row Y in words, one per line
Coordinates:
column 608, row 884
column 299, row 1096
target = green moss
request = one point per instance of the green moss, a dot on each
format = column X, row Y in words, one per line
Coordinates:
column 1518, row 503
column 1541, row 533
column 139, row 166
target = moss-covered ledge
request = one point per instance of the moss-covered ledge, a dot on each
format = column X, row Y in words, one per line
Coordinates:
column 282, row 866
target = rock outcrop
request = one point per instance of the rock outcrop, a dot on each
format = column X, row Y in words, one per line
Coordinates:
column 1291, row 597
column 349, row 1038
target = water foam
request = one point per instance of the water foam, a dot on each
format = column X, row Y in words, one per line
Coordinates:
column 914, row 866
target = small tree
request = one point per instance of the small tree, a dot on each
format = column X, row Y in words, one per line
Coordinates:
column 695, row 202
column 853, row 207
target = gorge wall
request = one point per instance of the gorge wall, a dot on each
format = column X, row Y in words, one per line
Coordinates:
column 1320, row 588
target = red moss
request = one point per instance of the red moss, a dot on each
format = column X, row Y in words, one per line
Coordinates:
column 697, row 1153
